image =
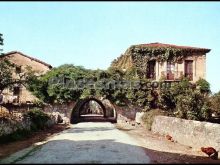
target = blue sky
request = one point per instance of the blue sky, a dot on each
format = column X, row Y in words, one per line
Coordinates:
column 92, row 34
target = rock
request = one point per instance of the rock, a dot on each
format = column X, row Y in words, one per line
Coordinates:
column 56, row 116
column 138, row 117
column 59, row 119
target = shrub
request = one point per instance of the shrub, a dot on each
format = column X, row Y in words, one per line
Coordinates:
column 215, row 103
column 206, row 111
column 17, row 135
column 203, row 85
column 166, row 100
column 38, row 118
column 193, row 106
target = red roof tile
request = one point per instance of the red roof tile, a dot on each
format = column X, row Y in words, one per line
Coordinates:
column 157, row 44
column 14, row 52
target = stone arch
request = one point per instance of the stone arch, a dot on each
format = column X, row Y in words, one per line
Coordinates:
column 97, row 101
column 75, row 114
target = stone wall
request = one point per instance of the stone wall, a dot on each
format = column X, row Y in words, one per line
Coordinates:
column 188, row 132
column 127, row 114
column 9, row 126
column 64, row 110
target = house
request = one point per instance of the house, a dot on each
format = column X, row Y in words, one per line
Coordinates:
column 158, row 61
column 19, row 93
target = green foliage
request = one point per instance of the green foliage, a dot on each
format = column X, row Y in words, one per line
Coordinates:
column 158, row 53
column 38, row 121
column 1, row 40
column 182, row 97
column 185, row 101
column 203, row 85
column 38, row 118
column 6, row 69
column 17, row 135
column 206, row 111
column 189, row 105
column 215, row 103
column 166, row 99
column 7, row 80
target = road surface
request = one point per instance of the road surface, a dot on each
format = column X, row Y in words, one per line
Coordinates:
column 86, row 142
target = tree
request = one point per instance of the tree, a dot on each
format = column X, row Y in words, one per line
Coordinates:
column 1, row 40
column 203, row 85
column 6, row 75
column 215, row 103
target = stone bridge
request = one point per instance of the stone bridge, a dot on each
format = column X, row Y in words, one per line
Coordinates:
column 108, row 110
column 111, row 112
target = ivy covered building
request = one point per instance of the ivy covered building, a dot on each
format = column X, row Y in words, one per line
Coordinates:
column 158, row 61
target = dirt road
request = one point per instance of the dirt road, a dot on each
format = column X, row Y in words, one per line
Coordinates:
column 89, row 142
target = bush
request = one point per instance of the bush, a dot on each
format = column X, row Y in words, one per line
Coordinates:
column 193, row 106
column 166, row 100
column 17, row 135
column 203, row 85
column 215, row 103
column 38, row 118
column 206, row 111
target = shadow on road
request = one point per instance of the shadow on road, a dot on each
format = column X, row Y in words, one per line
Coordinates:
column 95, row 118
column 104, row 151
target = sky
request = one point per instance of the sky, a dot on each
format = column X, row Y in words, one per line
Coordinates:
column 92, row 34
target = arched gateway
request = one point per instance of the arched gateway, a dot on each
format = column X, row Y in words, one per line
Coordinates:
column 79, row 107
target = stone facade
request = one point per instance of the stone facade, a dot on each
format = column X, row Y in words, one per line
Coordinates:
column 161, row 69
column 64, row 110
column 188, row 132
column 9, row 126
column 199, row 68
column 22, row 61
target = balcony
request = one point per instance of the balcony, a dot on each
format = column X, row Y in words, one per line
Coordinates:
column 189, row 75
column 171, row 75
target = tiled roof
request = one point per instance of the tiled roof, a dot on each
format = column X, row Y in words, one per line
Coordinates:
column 14, row 52
column 157, row 44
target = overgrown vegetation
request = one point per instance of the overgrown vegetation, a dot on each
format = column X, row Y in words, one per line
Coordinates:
column 38, row 119
column 138, row 56
column 215, row 103
column 17, row 135
column 1, row 41
column 6, row 71
column 183, row 99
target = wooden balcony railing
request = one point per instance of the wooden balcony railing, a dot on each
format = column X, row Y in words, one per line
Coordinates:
column 172, row 75
column 175, row 75
column 189, row 75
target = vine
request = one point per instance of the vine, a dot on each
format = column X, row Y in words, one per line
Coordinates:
column 141, row 55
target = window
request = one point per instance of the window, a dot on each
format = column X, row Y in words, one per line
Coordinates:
column 16, row 91
column 170, row 66
column 170, row 70
column 18, row 69
column 151, row 65
column 189, row 69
